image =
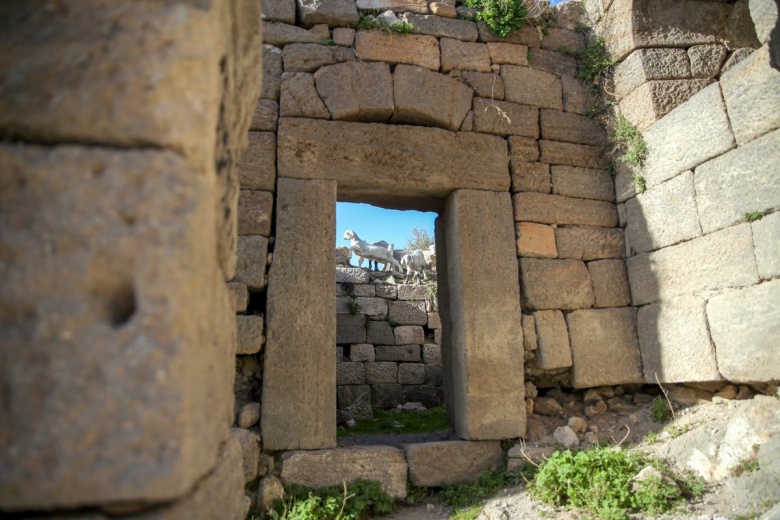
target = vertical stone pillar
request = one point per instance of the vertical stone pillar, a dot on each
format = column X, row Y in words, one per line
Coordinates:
column 443, row 292
column 299, row 379
column 486, row 341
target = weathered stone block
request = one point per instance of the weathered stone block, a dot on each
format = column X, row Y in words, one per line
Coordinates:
column 527, row 35
column 346, row 151
column 553, row 341
column 654, row 99
column 554, row 152
column 503, row 118
column 325, row 468
column 583, row 183
column 434, row 321
column 408, row 313
column 427, row 98
column 387, row 291
column 532, row 87
column 411, row 374
column 745, row 326
column 381, row 372
column 479, row 231
column 432, row 353
column 281, row 34
column 529, row 333
column 409, row 334
column 508, row 53
column 441, row 27
column 352, row 275
column 133, row 326
column 362, row 352
column 257, row 167
column 387, row 395
column 255, row 211
column 752, row 113
column 706, row 59
column 299, row 356
column 587, row 243
column 250, row 334
column 335, row 13
column 711, row 262
column 604, row 334
column 306, row 57
column 563, row 39
column 522, row 149
column 571, row 128
column 434, row 373
column 350, row 328
column 347, row 395
column 555, row 284
column 397, row 6
column 535, row 240
column 576, row 97
column 738, row 56
column 553, row 62
column 459, row 55
column 408, row 353
column 279, row 11
column 372, row 306
column 239, row 295
column 448, row 462
column 443, row 9
column 299, row 98
column 530, row 176
column 350, row 373
column 485, row 84
column 764, row 15
column 357, row 91
column 272, row 72
column 250, row 451
column 554, row 209
column 687, row 137
column 610, row 283
column 413, row 49
column 360, row 289
column 650, row 64
column 344, row 36
column 251, row 255
column 668, row 328
column 663, row 215
column 380, row 333
column 766, row 240
column 265, row 116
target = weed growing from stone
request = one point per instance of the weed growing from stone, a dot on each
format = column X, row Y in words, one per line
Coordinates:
column 600, row 481
column 660, row 411
column 368, row 22
column 327, row 41
column 752, row 216
column 391, row 421
column 501, row 16
column 352, row 306
column 628, row 137
column 651, row 438
column 356, row 501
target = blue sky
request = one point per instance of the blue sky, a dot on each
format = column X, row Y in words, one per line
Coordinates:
column 373, row 224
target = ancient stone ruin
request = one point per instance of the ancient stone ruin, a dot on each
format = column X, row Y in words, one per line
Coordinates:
column 172, row 325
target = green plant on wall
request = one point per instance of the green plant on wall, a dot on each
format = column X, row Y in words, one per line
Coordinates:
column 368, row 22
column 501, row 16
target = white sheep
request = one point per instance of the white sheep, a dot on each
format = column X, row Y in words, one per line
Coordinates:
column 377, row 253
column 381, row 243
column 415, row 264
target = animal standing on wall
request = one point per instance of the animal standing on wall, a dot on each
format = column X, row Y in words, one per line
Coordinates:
column 371, row 252
column 415, row 264
column 381, row 243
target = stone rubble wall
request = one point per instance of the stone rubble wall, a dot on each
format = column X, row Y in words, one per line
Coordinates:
column 121, row 124
column 703, row 278
column 390, row 349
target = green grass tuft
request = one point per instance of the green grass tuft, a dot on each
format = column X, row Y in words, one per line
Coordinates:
column 368, row 22
column 660, row 410
column 501, row 16
column 631, row 141
column 356, row 501
column 752, row 216
column 390, row 421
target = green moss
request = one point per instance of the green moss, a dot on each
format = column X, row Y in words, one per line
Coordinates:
column 390, row 421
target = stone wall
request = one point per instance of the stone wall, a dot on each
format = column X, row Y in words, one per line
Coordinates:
column 389, row 342
column 703, row 277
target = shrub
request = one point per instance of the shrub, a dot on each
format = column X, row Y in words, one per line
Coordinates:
column 501, row 16
column 356, row 501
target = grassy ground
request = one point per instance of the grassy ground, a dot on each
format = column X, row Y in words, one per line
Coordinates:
column 391, row 421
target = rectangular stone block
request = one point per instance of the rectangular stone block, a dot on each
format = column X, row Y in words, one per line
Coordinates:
column 570, row 128
column 553, row 340
column 555, row 284
column 257, row 167
column 554, row 152
column 766, row 241
column 688, row 136
column 484, row 316
column 409, row 334
column 265, row 117
column 583, row 183
column 357, row 91
column 535, row 240
column 255, row 212
column 347, row 395
column 387, row 395
column 458, row 55
column 417, row 94
column 647, row 64
column 325, row 468
column 249, row 330
column 411, row 373
column 414, row 49
column 114, row 312
column 584, row 243
column 553, row 62
column 362, row 352
column 279, row 11
column 412, row 292
column 351, row 275
column 299, row 357
column 252, row 253
column 604, row 347
column 380, row 333
column 408, row 353
column 654, row 99
column 408, row 313
column 745, row 326
column 752, row 113
column 530, row 176
column 335, row 13
column 397, row 6
column 434, row 321
column 432, row 353
column 350, row 328
column 389, row 292
column 281, row 34
column 272, row 62
column 239, row 295
column 663, row 215
column 711, row 262
column 376, row 307
column 432, row 464
column 526, row 35
column 675, row 342
column 743, row 180
column 381, row 372
column 576, row 97
column 299, row 96
column 345, row 151
column 554, row 209
column 522, row 149
column 508, row 53
column 504, row 118
column 350, row 373
column 610, row 283
column 532, row 87
column 441, row 27
column 434, row 373
column 484, row 84
column 559, row 39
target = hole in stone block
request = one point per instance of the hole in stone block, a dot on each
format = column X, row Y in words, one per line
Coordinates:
column 122, row 304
